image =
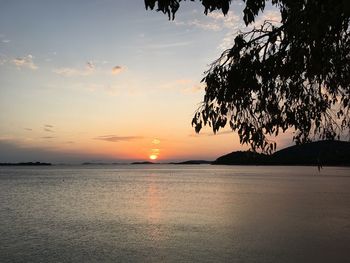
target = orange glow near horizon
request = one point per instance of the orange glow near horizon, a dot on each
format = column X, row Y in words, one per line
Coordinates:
column 153, row 157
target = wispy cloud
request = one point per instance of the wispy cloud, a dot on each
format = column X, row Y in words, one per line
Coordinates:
column 206, row 26
column 116, row 138
column 117, row 70
column 230, row 23
column 269, row 15
column 89, row 69
column 214, row 21
column 3, row 39
column 185, row 86
column 111, row 90
column 48, row 128
column 68, row 72
column 90, row 65
column 168, row 45
column 25, row 62
column 194, row 88
column 47, row 137
column 72, row 72
column 236, row 25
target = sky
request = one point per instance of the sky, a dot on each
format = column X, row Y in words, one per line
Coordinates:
column 106, row 80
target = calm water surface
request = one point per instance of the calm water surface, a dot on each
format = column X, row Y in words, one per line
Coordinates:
column 173, row 213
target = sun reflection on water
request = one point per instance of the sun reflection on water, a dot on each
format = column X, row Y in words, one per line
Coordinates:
column 154, row 211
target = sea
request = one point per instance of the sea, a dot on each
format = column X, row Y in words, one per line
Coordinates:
column 174, row 213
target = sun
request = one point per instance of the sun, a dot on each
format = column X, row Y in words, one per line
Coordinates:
column 153, row 157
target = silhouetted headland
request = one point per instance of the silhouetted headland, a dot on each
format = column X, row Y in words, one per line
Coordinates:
column 25, row 164
column 193, row 162
column 321, row 153
column 143, row 162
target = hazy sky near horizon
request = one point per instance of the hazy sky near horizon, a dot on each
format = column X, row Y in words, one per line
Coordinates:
column 108, row 80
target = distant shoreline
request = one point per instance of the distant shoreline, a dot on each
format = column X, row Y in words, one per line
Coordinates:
column 26, row 164
column 320, row 153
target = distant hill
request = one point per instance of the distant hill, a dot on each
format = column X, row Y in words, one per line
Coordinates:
column 321, row 152
column 143, row 163
column 242, row 158
column 314, row 153
column 193, row 162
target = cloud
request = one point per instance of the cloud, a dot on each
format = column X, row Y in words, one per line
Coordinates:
column 230, row 23
column 195, row 88
column 47, row 137
column 89, row 69
column 25, row 62
column 270, row 15
column 28, row 129
column 236, row 25
column 71, row 72
column 185, row 86
column 214, row 21
column 111, row 90
column 90, row 65
column 117, row 69
column 48, row 130
column 169, row 45
column 3, row 39
column 227, row 41
column 205, row 26
column 115, row 138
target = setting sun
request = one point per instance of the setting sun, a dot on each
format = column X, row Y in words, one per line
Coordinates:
column 153, row 157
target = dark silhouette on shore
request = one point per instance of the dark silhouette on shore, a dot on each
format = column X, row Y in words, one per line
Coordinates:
column 193, row 162
column 146, row 162
column 321, row 153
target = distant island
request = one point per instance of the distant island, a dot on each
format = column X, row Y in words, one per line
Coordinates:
column 143, row 162
column 321, row 153
column 25, row 164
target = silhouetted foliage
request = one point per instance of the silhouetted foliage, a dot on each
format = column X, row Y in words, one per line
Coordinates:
column 289, row 74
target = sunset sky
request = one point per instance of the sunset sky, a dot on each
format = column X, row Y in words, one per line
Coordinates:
column 107, row 80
